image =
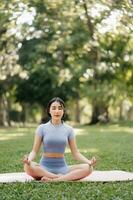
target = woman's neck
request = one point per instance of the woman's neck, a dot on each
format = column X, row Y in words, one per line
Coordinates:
column 55, row 122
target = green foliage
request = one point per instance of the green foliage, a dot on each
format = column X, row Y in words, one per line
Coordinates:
column 62, row 42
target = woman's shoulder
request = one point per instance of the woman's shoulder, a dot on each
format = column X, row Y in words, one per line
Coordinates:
column 70, row 131
column 44, row 124
column 41, row 129
column 69, row 127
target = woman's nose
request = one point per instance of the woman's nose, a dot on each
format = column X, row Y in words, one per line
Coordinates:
column 57, row 110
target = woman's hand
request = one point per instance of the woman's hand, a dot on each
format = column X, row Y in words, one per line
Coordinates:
column 25, row 159
column 93, row 161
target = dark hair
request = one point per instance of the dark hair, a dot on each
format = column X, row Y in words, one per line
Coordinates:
column 56, row 99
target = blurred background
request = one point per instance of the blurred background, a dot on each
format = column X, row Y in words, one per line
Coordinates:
column 79, row 50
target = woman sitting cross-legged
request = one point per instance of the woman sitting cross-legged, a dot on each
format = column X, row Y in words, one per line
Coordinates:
column 54, row 135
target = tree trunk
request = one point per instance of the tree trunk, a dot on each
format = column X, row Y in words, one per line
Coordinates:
column 24, row 113
column 120, row 112
column 77, row 111
column 130, row 113
column 44, row 117
column 99, row 114
column 8, row 108
column 3, row 112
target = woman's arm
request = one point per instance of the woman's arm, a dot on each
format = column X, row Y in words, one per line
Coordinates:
column 35, row 149
column 77, row 155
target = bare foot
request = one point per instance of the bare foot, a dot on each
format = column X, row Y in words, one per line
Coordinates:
column 55, row 180
column 46, row 179
column 59, row 175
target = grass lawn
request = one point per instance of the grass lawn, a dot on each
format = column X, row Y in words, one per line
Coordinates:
column 111, row 144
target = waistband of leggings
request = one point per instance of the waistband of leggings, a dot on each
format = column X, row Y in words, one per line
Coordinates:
column 53, row 155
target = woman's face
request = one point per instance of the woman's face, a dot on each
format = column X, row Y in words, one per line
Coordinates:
column 56, row 110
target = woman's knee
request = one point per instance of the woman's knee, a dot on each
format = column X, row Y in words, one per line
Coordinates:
column 88, row 169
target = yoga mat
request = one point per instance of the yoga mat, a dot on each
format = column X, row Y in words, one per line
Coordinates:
column 96, row 176
column 109, row 176
column 15, row 177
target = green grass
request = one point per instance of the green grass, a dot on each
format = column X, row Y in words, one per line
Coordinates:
column 111, row 144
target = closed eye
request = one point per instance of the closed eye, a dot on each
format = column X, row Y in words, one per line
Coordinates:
column 59, row 108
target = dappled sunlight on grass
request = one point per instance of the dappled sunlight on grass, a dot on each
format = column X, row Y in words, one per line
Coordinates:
column 90, row 150
column 10, row 136
column 13, row 133
column 79, row 131
column 116, row 129
column 84, row 150
column 67, row 150
column 12, row 130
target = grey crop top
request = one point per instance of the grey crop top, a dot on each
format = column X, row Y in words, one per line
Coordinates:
column 55, row 137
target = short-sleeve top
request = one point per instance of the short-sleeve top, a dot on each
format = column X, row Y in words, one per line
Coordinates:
column 55, row 137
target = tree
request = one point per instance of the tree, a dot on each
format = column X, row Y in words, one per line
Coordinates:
column 71, row 49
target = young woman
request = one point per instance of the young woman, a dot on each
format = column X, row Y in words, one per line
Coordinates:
column 54, row 135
